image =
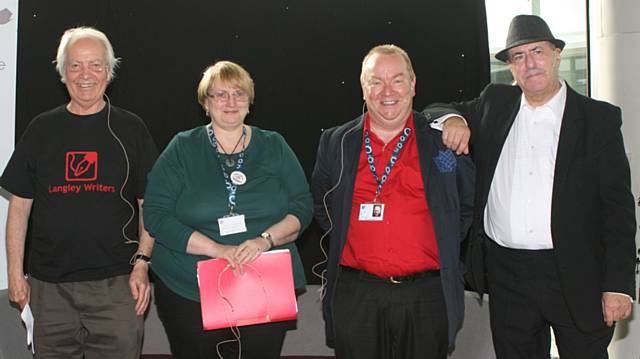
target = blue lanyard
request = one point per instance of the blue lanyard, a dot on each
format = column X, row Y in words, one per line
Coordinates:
column 231, row 188
column 392, row 161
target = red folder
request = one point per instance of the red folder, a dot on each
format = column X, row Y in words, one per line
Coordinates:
column 263, row 294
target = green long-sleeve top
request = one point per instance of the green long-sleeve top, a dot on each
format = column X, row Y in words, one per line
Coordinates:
column 186, row 193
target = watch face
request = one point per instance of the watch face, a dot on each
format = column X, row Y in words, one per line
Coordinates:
column 268, row 238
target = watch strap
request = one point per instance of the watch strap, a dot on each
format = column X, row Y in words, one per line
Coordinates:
column 267, row 236
column 140, row 256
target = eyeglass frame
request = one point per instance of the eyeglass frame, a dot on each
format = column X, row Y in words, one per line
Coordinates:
column 225, row 96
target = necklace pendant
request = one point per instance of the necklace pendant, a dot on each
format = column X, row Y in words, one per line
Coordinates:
column 230, row 162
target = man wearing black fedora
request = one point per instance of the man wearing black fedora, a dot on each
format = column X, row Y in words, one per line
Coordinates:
column 554, row 220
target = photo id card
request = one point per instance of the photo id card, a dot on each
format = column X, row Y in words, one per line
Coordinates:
column 232, row 224
column 371, row 212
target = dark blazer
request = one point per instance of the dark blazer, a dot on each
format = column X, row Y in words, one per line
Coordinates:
column 592, row 214
column 449, row 197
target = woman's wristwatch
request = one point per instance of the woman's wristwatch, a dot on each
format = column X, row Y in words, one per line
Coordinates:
column 267, row 236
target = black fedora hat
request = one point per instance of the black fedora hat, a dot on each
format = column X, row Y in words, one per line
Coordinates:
column 525, row 29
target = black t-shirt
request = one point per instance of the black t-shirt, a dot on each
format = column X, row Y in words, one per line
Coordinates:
column 74, row 168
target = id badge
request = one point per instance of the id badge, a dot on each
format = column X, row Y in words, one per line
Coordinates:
column 232, row 224
column 371, row 212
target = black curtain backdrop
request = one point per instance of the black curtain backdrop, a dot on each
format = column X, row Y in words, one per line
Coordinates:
column 303, row 55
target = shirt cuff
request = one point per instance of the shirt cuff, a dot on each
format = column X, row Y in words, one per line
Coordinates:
column 625, row 294
column 438, row 123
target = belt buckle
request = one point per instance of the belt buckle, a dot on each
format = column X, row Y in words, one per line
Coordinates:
column 394, row 281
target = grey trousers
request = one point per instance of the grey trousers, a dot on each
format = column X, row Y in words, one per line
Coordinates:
column 90, row 320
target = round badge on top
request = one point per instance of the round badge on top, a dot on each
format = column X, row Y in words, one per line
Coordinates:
column 238, row 178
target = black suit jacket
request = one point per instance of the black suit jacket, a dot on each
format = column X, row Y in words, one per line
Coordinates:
column 592, row 214
column 449, row 197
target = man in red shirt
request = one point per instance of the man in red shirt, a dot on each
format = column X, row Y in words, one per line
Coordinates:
column 396, row 203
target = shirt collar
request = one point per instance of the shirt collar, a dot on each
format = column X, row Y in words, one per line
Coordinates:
column 555, row 104
column 367, row 127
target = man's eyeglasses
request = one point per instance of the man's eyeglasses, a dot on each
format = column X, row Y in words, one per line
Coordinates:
column 94, row 66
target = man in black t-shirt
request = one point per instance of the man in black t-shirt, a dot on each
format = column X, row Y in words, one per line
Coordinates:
column 77, row 177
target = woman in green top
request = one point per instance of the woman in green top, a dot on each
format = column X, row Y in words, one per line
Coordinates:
column 226, row 169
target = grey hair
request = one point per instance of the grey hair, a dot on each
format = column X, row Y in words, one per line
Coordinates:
column 72, row 35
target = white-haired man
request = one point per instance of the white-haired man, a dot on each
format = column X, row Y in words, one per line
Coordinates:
column 77, row 177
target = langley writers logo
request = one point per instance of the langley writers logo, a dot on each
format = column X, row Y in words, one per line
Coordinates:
column 81, row 166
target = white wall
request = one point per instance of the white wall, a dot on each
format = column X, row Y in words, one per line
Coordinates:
column 615, row 75
column 8, row 47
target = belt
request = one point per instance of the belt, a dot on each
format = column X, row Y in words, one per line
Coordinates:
column 395, row 279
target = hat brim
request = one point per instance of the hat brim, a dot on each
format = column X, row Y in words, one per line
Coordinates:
column 504, row 54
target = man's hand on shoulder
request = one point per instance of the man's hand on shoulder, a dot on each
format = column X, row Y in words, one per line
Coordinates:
column 615, row 306
column 140, row 287
column 456, row 135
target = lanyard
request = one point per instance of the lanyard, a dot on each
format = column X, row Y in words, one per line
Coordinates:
column 392, row 161
column 231, row 188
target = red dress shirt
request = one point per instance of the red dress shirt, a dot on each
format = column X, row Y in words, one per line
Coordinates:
column 404, row 241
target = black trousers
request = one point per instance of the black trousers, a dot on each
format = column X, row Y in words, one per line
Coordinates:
column 378, row 319
column 182, row 321
column 525, row 300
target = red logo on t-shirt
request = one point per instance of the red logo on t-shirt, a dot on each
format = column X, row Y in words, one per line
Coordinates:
column 81, row 166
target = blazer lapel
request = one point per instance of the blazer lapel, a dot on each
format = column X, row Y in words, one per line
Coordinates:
column 504, row 118
column 570, row 132
column 426, row 151
column 352, row 147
